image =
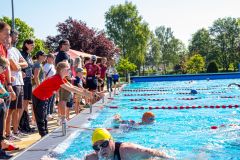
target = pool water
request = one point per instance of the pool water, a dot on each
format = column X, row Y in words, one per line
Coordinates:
column 182, row 133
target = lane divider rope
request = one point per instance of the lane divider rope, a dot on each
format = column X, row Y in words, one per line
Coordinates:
column 182, row 107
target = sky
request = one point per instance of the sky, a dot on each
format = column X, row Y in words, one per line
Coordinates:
column 185, row 17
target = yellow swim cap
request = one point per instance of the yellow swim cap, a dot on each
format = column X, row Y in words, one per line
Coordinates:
column 100, row 134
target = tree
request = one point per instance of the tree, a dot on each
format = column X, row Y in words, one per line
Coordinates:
column 82, row 38
column 195, row 64
column 23, row 28
column 39, row 45
column 128, row 31
column 225, row 33
column 171, row 47
column 125, row 65
column 153, row 57
column 212, row 67
column 201, row 43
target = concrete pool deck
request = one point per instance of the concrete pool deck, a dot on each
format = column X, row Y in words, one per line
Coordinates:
column 47, row 144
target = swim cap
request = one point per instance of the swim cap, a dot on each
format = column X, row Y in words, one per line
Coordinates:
column 193, row 91
column 100, row 134
column 146, row 116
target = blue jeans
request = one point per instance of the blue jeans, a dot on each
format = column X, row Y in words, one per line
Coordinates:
column 109, row 83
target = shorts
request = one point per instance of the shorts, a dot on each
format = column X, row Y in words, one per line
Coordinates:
column 27, row 90
column 70, row 103
column 115, row 81
column 64, row 95
column 92, row 83
column 17, row 104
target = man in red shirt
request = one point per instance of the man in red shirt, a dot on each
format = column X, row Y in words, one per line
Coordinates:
column 93, row 73
column 103, row 69
column 4, row 34
column 5, row 78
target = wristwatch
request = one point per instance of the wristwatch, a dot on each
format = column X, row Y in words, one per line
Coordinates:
column 9, row 84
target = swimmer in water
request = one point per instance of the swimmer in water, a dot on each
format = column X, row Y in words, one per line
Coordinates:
column 234, row 84
column 147, row 118
column 106, row 148
column 193, row 92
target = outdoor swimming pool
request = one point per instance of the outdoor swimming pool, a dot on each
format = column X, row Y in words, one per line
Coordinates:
column 181, row 130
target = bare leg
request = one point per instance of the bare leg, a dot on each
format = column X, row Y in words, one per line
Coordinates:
column 15, row 120
column 62, row 108
column 8, row 122
column 5, row 122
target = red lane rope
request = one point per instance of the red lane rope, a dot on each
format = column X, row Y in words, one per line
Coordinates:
column 182, row 93
column 144, row 94
column 161, row 99
column 176, row 88
column 147, row 90
column 187, row 98
column 182, row 107
column 223, row 125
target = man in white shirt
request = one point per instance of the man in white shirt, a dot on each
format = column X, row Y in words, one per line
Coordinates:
column 17, row 62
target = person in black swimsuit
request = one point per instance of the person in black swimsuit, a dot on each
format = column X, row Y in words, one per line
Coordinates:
column 106, row 148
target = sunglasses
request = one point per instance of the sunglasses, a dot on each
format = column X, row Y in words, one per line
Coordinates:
column 105, row 144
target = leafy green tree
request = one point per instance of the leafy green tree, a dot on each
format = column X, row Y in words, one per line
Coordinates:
column 212, row 67
column 23, row 28
column 225, row 33
column 195, row 64
column 39, row 45
column 125, row 65
column 171, row 48
column 153, row 57
column 201, row 43
column 128, row 31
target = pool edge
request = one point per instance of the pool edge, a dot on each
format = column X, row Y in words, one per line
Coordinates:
column 38, row 149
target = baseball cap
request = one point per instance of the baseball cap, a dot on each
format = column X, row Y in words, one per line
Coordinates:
column 40, row 53
column 93, row 58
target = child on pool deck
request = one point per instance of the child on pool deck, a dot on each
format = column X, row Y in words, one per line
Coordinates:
column 45, row 90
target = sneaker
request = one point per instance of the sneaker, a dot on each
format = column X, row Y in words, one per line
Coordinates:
column 20, row 134
column 4, row 155
column 12, row 137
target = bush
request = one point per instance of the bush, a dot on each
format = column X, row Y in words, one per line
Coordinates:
column 212, row 67
column 126, row 65
column 195, row 64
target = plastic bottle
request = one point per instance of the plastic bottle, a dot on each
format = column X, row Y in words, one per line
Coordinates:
column 64, row 126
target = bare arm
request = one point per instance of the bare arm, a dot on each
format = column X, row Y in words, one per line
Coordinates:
column 92, row 156
column 2, row 90
column 231, row 84
column 79, row 91
column 23, row 63
column 14, row 66
column 128, row 150
column 36, row 76
column 8, row 80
